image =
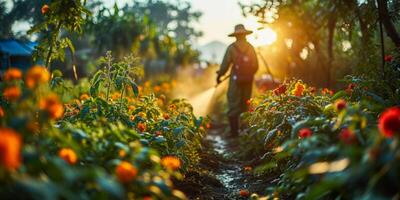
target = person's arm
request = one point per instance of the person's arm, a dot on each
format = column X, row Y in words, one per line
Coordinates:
column 226, row 63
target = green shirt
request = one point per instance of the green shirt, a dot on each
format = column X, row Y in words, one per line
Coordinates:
column 231, row 55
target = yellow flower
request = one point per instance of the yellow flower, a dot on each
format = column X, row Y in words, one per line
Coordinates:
column 298, row 89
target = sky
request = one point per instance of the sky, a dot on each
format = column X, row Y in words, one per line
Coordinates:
column 218, row 20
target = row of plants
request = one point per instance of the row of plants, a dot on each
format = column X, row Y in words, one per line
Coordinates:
column 323, row 144
column 103, row 139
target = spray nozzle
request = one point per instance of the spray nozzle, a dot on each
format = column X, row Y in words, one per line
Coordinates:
column 222, row 80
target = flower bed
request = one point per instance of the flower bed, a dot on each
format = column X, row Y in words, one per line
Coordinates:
column 108, row 142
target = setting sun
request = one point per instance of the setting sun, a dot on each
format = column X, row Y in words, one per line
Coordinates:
column 262, row 36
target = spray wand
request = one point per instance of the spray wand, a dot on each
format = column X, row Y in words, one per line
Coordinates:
column 222, row 80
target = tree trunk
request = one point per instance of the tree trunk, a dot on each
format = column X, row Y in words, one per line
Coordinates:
column 387, row 22
column 331, row 36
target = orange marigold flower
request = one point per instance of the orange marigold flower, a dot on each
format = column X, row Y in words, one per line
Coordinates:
column 248, row 168
column 305, row 132
column 12, row 93
column 340, row 104
column 172, row 107
column 12, row 74
column 166, row 116
column 122, row 153
column 298, row 89
column 68, row 155
column 126, row 172
column 141, row 126
column 244, row 193
column 389, row 122
column 171, row 162
column 163, row 97
column 52, row 105
column 45, row 9
column 84, row 97
column 131, row 107
column 1, row 112
column 208, row 125
column 37, row 75
column 157, row 89
column 10, row 148
column 327, row 91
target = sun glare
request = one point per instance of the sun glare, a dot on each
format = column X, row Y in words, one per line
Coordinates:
column 262, row 36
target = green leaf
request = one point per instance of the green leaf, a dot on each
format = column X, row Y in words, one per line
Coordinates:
column 70, row 45
column 339, row 95
column 111, row 187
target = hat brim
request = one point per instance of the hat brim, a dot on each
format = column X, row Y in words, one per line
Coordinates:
column 245, row 32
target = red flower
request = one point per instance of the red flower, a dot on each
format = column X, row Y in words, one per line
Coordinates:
column 350, row 88
column 347, row 136
column 251, row 109
column 388, row 58
column 305, row 132
column 141, row 126
column 158, row 133
column 248, row 102
column 244, row 193
column 389, row 122
column 280, row 90
column 313, row 90
column 340, row 104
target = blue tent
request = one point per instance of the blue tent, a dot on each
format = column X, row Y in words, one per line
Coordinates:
column 15, row 53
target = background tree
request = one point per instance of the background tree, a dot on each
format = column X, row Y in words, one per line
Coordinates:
column 329, row 31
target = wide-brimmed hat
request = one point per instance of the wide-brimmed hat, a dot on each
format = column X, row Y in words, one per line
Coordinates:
column 240, row 30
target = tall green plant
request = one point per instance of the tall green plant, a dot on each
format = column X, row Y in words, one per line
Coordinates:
column 60, row 16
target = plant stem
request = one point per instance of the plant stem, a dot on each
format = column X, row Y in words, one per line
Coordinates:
column 122, row 95
column 382, row 40
column 109, row 80
column 52, row 37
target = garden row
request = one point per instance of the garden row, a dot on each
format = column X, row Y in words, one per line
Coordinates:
column 102, row 139
column 322, row 144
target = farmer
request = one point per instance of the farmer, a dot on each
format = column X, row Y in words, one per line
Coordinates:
column 243, row 59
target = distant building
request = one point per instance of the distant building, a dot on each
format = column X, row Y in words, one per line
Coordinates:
column 15, row 53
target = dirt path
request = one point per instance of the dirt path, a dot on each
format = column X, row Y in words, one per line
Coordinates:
column 220, row 176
